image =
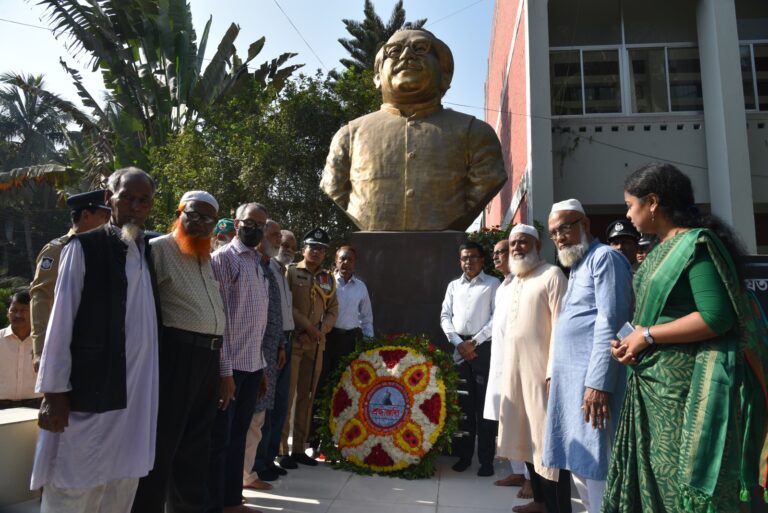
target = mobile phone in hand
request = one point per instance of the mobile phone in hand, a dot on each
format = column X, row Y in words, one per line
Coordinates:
column 625, row 331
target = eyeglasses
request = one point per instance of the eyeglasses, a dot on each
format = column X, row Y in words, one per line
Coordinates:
column 471, row 258
column 250, row 223
column 418, row 47
column 564, row 229
column 197, row 217
column 500, row 252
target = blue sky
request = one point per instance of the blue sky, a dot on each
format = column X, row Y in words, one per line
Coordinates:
column 465, row 25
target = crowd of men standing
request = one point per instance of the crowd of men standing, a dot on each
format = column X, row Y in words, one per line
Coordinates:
column 532, row 395
column 167, row 371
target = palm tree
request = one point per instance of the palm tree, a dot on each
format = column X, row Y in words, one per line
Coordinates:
column 368, row 35
column 31, row 126
column 33, row 133
column 152, row 67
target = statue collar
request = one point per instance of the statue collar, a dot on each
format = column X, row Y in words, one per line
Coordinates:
column 418, row 110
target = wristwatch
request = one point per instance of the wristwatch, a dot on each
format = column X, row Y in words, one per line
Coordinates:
column 647, row 334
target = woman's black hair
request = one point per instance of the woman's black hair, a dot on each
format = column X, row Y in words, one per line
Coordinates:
column 675, row 194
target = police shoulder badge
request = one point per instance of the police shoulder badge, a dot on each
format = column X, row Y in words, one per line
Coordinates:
column 46, row 263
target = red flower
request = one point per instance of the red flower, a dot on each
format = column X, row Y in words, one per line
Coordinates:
column 431, row 408
column 340, row 402
column 416, row 377
column 392, row 356
column 431, row 347
column 363, row 375
column 353, row 433
column 378, row 457
column 410, row 438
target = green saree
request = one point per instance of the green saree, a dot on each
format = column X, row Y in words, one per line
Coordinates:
column 691, row 433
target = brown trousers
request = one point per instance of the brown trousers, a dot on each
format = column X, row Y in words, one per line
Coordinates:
column 306, row 356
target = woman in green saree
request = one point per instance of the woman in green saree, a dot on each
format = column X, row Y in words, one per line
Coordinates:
column 691, row 433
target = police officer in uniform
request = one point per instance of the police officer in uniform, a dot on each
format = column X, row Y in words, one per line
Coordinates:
column 623, row 237
column 315, row 309
column 88, row 210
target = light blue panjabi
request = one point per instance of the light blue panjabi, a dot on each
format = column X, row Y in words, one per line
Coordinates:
column 597, row 303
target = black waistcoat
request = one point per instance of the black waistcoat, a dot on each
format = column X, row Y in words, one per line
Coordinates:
column 98, row 375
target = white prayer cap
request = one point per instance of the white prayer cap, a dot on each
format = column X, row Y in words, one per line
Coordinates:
column 526, row 229
column 203, row 196
column 569, row 204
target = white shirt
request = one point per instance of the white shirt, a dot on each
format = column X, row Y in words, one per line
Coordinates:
column 493, row 390
column 354, row 305
column 17, row 371
column 100, row 447
column 468, row 308
column 286, row 297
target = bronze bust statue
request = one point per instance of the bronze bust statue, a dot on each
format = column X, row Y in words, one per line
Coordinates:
column 413, row 165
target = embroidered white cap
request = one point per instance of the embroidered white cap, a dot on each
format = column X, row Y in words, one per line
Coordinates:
column 203, row 196
column 526, row 229
column 569, row 204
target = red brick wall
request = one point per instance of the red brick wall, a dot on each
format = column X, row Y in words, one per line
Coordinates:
column 511, row 123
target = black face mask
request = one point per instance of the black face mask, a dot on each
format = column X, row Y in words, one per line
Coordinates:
column 250, row 235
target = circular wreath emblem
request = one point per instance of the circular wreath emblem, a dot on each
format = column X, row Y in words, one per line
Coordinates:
column 392, row 407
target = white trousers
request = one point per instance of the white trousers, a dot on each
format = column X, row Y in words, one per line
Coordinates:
column 112, row 497
column 590, row 491
column 252, row 440
column 518, row 467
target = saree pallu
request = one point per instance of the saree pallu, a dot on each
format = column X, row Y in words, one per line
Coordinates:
column 691, row 434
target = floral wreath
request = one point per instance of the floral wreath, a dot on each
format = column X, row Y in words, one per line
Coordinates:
column 391, row 408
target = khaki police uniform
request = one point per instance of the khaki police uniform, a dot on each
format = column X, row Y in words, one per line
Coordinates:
column 314, row 304
column 41, row 290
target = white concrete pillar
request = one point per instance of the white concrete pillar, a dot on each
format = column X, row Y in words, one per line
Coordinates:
column 541, row 184
column 730, row 183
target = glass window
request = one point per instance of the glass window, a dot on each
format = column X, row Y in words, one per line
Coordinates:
column 745, row 53
column 602, row 87
column 565, row 81
column 684, row 79
column 648, row 80
column 584, row 22
column 761, row 74
column 660, row 21
column 752, row 19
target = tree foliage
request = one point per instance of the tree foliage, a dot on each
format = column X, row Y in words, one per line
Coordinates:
column 369, row 34
column 154, row 70
column 267, row 147
column 33, row 135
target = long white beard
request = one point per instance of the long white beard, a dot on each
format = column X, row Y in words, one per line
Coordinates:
column 569, row 256
column 284, row 257
column 130, row 232
column 268, row 249
column 521, row 266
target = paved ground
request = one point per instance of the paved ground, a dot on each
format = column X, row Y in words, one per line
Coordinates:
column 324, row 490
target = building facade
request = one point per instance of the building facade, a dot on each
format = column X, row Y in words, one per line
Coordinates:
column 582, row 92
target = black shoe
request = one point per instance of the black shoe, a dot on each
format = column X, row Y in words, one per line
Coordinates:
column 288, row 462
column 485, row 470
column 268, row 475
column 304, row 459
column 278, row 470
column 461, row 465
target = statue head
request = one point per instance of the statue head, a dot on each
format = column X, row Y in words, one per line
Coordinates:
column 413, row 67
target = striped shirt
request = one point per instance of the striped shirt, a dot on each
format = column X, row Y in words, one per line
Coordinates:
column 245, row 292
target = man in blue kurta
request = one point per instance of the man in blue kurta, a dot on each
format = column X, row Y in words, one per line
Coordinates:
column 586, row 384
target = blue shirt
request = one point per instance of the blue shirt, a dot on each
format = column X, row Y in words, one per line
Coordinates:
column 595, row 306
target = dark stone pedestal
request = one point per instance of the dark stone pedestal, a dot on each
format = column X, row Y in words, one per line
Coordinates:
column 407, row 274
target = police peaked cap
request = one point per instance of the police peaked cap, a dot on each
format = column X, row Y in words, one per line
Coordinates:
column 317, row 236
column 93, row 199
column 622, row 229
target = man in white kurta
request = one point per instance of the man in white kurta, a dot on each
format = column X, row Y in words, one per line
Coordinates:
column 94, row 464
column 493, row 392
column 533, row 301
